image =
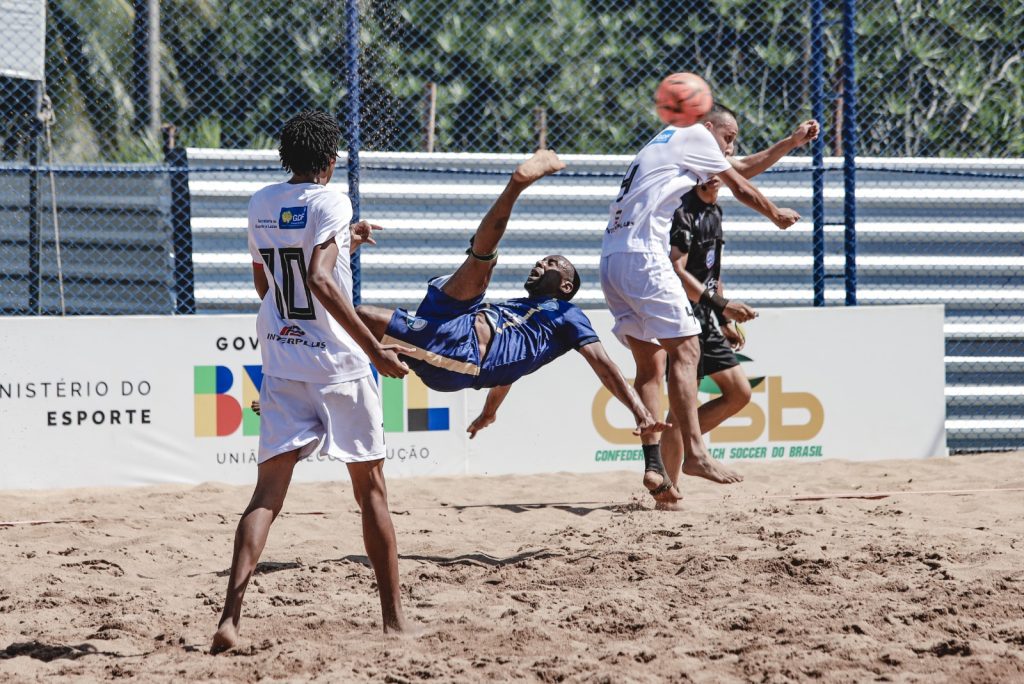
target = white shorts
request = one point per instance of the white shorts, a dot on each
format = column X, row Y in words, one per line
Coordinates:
column 646, row 298
column 343, row 420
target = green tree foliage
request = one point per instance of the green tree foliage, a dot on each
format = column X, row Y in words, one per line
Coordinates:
column 941, row 78
column 934, row 78
column 592, row 66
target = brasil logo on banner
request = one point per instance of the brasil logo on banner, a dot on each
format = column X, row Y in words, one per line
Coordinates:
column 219, row 412
column 408, row 410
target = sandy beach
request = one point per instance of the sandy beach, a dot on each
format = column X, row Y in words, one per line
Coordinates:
column 540, row 578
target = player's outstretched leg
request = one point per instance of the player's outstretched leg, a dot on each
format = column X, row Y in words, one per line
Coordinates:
column 684, row 354
column 379, row 539
column 650, row 368
column 251, row 536
column 542, row 163
column 735, row 395
column 474, row 275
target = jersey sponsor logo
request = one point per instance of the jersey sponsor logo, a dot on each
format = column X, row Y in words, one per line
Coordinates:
column 414, row 323
column 265, row 223
column 294, row 335
column 709, row 260
column 617, row 223
column 292, row 218
column 663, row 137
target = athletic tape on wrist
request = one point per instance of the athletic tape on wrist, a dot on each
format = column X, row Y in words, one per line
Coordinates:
column 716, row 301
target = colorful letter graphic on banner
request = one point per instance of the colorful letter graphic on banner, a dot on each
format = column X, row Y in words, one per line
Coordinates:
column 217, row 413
column 411, row 394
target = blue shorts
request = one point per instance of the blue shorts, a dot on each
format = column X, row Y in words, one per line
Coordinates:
column 447, row 355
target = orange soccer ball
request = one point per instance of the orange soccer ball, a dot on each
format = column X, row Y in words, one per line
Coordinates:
column 682, row 99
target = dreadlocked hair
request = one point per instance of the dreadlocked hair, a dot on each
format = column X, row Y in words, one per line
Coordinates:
column 309, row 141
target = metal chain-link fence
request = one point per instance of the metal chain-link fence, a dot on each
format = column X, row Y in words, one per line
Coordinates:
column 452, row 93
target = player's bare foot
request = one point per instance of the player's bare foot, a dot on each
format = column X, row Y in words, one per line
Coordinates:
column 669, row 506
column 405, row 630
column 542, row 163
column 654, row 481
column 706, row 467
column 224, row 639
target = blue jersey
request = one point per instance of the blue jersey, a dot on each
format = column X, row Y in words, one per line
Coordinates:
column 527, row 334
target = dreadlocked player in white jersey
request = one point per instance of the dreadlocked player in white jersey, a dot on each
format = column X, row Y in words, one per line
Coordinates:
column 318, row 392
column 652, row 313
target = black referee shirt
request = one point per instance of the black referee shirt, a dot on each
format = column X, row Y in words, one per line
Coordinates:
column 697, row 232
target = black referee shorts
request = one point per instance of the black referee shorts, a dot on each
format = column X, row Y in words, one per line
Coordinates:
column 715, row 353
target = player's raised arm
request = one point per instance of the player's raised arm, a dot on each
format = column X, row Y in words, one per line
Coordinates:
column 611, row 377
column 759, row 162
column 361, row 233
column 747, row 194
column 474, row 275
column 324, row 286
column 495, row 396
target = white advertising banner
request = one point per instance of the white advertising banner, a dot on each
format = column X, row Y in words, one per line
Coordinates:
column 107, row 401
column 98, row 401
column 827, row 383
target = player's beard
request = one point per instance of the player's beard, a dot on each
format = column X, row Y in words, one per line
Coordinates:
column 545, row 285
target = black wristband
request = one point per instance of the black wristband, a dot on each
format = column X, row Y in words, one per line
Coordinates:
column 714, row 300
column 481, row 257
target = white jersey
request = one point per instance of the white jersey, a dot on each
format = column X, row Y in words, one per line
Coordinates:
column 299, row 340
column 663, row 171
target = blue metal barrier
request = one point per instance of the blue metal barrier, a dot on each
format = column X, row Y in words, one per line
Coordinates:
column 352, row 121
column 850, row 148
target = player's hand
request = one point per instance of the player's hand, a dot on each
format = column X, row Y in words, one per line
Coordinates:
column 479, row 423
column 738, row 311
column 805, row 133
column 785, row 218
column 386, row 361
column 362, row 234
column 734, row 335
column 647, row 425
column 255, row 406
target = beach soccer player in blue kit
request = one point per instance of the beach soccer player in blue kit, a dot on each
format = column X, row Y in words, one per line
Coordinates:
column 460, row 342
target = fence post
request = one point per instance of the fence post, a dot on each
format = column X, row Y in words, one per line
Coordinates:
column 352, row 131
column 34, row 270
column 176, row 159
column 430, row 116
column 850, row 148
column 146, row 66
column 818, row 149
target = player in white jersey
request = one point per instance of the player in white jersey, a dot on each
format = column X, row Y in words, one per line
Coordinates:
column 652, row 313
column 318, row 392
